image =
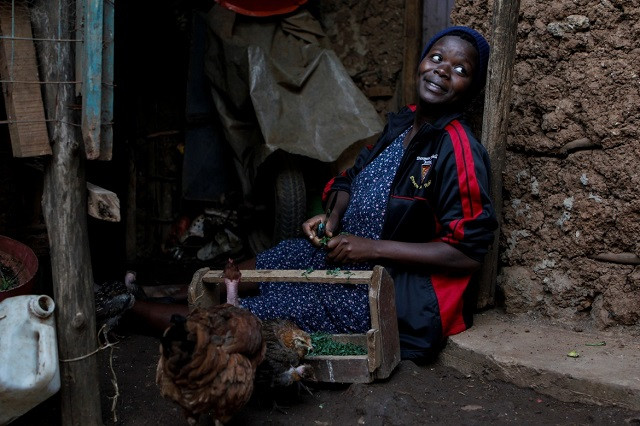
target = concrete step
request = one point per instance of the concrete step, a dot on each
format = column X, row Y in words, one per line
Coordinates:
column 534, row 354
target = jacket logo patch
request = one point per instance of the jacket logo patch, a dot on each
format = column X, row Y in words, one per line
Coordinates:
column 424, row 171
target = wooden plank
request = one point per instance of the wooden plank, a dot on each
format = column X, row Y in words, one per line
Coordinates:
column 22, row 95
column 412, row 49
column 106, row 132
column 79, row 58
column 374, row 350
column 373, row 336
column 102, row 203
column 340, row 369
column 497, row 104
column 295, row 275
column 92, row 78
column 389, row 340
column 356, row 339
column 437, row 16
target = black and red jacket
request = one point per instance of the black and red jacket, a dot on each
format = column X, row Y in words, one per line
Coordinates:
column 440, row 193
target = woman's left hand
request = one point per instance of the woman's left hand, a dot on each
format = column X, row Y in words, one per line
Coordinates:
column 345, row 248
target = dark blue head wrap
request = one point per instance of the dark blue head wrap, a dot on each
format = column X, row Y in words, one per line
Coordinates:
column 479, row 42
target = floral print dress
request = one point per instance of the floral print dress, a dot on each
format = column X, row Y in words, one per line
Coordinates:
column 330, row 308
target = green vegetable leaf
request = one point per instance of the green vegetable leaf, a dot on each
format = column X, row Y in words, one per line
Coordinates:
column 323, row 344
column 307, row 272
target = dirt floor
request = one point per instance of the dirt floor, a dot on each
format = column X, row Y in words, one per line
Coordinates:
column 432, row 394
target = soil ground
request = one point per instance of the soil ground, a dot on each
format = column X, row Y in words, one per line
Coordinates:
column 428, row 394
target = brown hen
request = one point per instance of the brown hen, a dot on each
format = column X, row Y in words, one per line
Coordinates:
column 208, row 360
column 287, row 345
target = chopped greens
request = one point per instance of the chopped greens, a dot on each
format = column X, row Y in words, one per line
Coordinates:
column 323, row 344
column 307, row 272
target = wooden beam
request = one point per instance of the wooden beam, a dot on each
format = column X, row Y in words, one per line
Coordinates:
column 21, row 87
column 65, row 213
column 102, row 203
column 497, row 103
column 412, row 49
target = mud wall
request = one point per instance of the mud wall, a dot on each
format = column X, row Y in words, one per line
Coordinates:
column 570, row 235
column 367, row 36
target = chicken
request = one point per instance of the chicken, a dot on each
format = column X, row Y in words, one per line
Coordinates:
column 208, row 360
column 287, row 345
column 112, row 299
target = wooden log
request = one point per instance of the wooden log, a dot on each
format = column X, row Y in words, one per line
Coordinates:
column 497, row 103
column 21, row 88
column 102, row 203
column 412, row 49
column 64, row 205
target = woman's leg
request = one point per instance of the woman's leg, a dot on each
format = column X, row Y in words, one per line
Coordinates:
column 154, row 317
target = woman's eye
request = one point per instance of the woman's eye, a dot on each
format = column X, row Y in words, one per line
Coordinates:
column 460, row 70
column 436, row 57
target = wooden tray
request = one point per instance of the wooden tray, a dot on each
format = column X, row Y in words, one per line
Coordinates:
column 381, row 340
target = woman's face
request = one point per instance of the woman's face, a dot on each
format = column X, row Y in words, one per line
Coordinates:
column 446, row 72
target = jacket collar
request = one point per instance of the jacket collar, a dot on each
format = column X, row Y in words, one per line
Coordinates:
column 399, row 121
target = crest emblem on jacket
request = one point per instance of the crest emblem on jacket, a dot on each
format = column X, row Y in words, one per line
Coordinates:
column 424, row 168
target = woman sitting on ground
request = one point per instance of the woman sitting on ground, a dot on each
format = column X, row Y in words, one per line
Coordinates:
column 417, row 203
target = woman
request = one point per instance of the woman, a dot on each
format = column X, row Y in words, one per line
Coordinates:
column 417, row 202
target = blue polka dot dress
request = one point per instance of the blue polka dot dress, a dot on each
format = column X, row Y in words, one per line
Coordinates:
column 330, row 308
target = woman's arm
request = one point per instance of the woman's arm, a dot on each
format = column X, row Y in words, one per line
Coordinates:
column 440, row 255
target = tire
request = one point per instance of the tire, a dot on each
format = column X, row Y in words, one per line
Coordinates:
column 290, row 203
column 286, row 208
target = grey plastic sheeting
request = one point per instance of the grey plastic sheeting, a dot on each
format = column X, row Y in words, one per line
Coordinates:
column 276, row 85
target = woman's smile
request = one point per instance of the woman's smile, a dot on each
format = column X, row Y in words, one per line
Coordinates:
column 435, row 87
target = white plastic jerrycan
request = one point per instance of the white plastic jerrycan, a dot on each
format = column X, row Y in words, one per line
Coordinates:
column 29, row 371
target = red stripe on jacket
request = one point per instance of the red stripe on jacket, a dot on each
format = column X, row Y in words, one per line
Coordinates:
column 449, row 289
column 467, row 180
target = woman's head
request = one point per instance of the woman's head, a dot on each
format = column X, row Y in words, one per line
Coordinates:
column 453, row 66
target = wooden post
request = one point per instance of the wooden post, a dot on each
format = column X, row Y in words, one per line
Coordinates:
column 497, row 104
column 64, row 205
column 412, row 49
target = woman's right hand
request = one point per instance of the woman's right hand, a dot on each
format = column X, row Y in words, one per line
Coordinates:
column 310, row 228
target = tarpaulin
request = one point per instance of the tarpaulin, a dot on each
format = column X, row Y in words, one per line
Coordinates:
column 277, row 85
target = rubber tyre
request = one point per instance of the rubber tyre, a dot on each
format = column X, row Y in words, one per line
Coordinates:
column 290, row 203
column 287, row 206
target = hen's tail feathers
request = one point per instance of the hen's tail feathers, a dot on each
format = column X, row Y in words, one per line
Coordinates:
column 175, row 342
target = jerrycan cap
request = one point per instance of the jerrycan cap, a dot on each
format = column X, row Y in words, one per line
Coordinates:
column 42, row 306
